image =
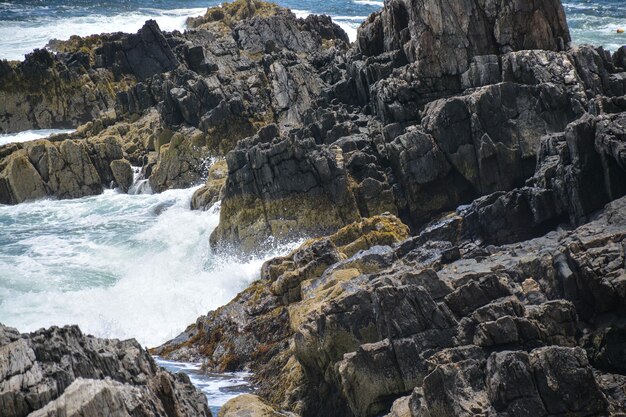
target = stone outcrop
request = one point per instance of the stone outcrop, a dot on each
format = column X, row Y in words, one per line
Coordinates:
column 143, row 54
column 500, row 147
column 464, row 163
column 247, row 405
column 211, row 192
column 61, row 372
column 368, row 322
column 441, row 39
column 450, row 152
column 47, row 91
column 63, row 169
column 253, row 331
column 278, row 186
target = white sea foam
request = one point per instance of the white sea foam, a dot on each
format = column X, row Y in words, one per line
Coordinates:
column 19, row 38
column 117, row 265
column 350, row 28
column 27, row 135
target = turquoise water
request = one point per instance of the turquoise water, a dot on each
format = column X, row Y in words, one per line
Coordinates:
column 120, row 266
column 596, row 22
column 218, row 388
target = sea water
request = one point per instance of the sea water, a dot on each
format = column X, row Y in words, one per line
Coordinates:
column 118, row 265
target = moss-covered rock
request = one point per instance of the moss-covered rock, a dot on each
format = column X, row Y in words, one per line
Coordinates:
column 254, row 330
column 44, row 92
column 315, row 256
column 122, row 173
column 226, row 16
column 247, row 405
column 247, row 222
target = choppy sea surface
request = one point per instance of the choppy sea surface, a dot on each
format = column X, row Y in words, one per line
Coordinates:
column 140, row 265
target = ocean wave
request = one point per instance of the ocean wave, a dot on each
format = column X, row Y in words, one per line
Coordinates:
column 28, row 135
column 118, row 265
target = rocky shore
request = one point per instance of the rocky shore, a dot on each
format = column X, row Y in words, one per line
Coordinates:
column 460, row 170
column 61, row 372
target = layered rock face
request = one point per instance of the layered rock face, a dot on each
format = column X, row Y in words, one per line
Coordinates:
column 63, row 91
column 367, row 322
column 464, row 162
column 458, row 98
column 440, row 39
column 81, row 81
column 61, row 372
column 453, row 150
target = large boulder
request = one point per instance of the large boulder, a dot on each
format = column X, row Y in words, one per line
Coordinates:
column 282, row 187
column 247, row 405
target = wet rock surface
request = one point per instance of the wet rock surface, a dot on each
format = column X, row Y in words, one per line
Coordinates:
column 61, row 372
column 65, row 169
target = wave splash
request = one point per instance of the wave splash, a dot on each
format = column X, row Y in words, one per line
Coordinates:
column 118, row 265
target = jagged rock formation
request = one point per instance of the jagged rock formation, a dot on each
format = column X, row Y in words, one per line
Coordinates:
column 46, row 91
column 440, row 40
column 444, row 129
column 143, row 55
column 243, row 67
column 363, row 323
column 465, row 163
column 211, row 192
column 501, row 147
column 61, row 372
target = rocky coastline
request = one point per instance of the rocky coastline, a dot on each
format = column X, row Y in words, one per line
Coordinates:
column 459, row 170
